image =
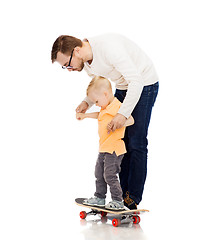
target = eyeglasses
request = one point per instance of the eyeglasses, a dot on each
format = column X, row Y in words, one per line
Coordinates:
column 68, row 66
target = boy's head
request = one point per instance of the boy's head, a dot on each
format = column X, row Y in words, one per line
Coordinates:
column 99, row 91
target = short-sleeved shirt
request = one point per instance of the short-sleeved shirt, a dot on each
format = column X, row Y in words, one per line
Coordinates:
column 113, row 141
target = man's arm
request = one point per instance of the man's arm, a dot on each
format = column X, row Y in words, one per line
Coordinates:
column 82, row 108
column 126, row 122
column 130, row 70
column 130, row 121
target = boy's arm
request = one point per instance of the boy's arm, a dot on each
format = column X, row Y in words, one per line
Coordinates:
column 81, row 116
column 130, row 121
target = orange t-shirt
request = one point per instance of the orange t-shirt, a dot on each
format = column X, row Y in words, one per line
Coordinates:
column 111, row 142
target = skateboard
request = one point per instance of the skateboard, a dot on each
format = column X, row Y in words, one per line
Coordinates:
column 121, row 215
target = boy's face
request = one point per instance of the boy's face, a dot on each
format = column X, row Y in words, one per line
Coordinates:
column 100, row 99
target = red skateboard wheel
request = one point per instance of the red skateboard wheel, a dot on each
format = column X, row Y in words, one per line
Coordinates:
column 116, row 222
column 136, row 219
column 83, row 215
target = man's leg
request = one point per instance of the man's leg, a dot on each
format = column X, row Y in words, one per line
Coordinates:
column 120, row 95
column 134, row 164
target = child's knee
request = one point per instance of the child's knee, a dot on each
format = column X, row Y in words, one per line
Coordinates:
column 110, row 177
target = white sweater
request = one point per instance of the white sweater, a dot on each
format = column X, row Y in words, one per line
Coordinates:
column 120, row 60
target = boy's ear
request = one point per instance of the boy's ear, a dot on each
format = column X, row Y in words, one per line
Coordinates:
column 105, row 93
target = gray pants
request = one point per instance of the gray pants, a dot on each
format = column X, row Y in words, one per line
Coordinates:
column 106, row 170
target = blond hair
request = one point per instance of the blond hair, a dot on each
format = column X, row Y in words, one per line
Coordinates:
column 99, row 83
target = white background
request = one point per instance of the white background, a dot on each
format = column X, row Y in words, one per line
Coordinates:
column 47, row 157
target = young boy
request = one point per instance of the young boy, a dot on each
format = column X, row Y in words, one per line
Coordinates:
column 111, row 145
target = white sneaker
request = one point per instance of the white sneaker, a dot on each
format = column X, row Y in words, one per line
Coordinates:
column 115, row 205
column 95, row 201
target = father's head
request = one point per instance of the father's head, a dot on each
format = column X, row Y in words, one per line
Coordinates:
column 68, row 52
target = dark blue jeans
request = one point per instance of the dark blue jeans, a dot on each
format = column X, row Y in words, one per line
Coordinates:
column 134, row 165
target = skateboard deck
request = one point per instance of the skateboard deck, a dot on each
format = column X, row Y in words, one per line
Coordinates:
column 122, row 214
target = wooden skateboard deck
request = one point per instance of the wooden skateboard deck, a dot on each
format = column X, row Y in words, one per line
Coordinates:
column 123, row 214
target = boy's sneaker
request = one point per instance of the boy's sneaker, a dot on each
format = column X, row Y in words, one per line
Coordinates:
column 115, row 205
column 95, row 201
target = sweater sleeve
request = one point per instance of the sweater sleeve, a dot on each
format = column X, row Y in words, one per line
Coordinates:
column 121, row 60
column 86, row 99
column 90, row 104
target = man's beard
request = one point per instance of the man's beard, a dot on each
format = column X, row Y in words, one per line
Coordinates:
column 81, row 66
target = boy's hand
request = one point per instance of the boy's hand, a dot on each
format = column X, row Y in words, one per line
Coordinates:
column 80, row 116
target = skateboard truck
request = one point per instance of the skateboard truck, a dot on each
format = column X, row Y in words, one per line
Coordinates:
column 126, row 218
column 84, row 214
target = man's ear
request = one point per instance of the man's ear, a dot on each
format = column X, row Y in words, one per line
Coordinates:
column 77, row 51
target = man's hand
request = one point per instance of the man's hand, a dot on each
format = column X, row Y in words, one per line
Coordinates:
column 80, row 116
column 82, row 108
column 117, row 122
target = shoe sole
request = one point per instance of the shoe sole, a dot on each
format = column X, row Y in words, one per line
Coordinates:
column 93, row 205
column 115, row 209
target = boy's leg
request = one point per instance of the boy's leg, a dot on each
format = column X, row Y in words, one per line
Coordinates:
column 101, row 186
column 112, row 164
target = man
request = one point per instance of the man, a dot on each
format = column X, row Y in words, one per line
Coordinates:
column 119, row 59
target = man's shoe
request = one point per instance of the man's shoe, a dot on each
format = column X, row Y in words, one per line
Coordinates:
column 129, row 202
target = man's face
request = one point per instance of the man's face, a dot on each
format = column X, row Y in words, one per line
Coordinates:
column 76, row 62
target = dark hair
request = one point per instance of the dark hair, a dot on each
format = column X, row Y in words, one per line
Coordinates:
column 64, row 44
